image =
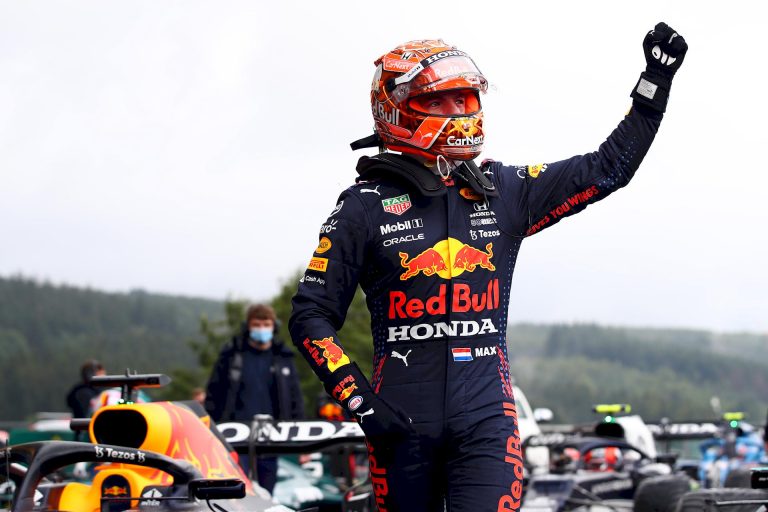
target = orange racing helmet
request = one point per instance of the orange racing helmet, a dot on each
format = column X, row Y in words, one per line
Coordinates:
column 417, row 70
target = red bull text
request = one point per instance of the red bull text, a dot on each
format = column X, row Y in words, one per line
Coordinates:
column 378, row 480
column 464, row 300
column 344, row 388
column 513, row 456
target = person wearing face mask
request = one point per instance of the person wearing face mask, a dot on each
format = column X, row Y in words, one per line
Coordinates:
column 255, row 374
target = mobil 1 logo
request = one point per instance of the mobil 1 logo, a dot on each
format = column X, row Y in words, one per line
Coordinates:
column 405, row 225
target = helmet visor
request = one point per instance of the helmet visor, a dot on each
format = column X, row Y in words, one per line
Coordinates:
column 451, row 72
column 450, row 102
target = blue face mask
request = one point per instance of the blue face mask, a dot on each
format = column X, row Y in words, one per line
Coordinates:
column 261, row 334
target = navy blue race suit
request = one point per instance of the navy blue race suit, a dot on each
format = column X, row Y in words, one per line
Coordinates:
column 436, row 270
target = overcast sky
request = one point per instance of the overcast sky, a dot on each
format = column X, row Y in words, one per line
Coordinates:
column 195, row 148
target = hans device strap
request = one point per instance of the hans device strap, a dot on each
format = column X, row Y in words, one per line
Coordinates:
column 411, row 171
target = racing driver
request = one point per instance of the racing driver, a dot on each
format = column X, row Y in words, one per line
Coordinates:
column 432, row 239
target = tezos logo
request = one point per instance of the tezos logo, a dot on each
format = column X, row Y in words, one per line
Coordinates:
column 111, row 453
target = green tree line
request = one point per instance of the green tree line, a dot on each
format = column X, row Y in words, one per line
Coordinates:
column 48, row 331
column 657, row 373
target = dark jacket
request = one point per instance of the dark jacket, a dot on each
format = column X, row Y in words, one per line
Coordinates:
column 225, row 380
column 79, row 399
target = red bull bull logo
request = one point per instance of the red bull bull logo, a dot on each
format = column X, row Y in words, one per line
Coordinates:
column 469, row 258
column 344, row 388
column 332, row 354
column 115, row 491
column 429, row 262
column 347, row 392
column 447, row 258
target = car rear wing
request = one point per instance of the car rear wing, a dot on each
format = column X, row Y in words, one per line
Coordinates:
column 130, row 382
column 671, row 431
column 267, row 436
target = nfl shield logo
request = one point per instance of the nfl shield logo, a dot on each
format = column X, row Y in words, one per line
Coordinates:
column 397, row 205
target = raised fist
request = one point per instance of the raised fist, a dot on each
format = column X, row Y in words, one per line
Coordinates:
column 664, row 50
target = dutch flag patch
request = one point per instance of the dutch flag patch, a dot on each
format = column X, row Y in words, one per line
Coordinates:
column 462, row 354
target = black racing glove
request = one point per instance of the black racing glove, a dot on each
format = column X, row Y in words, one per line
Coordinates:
column 378, row 419
column 664, row 53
